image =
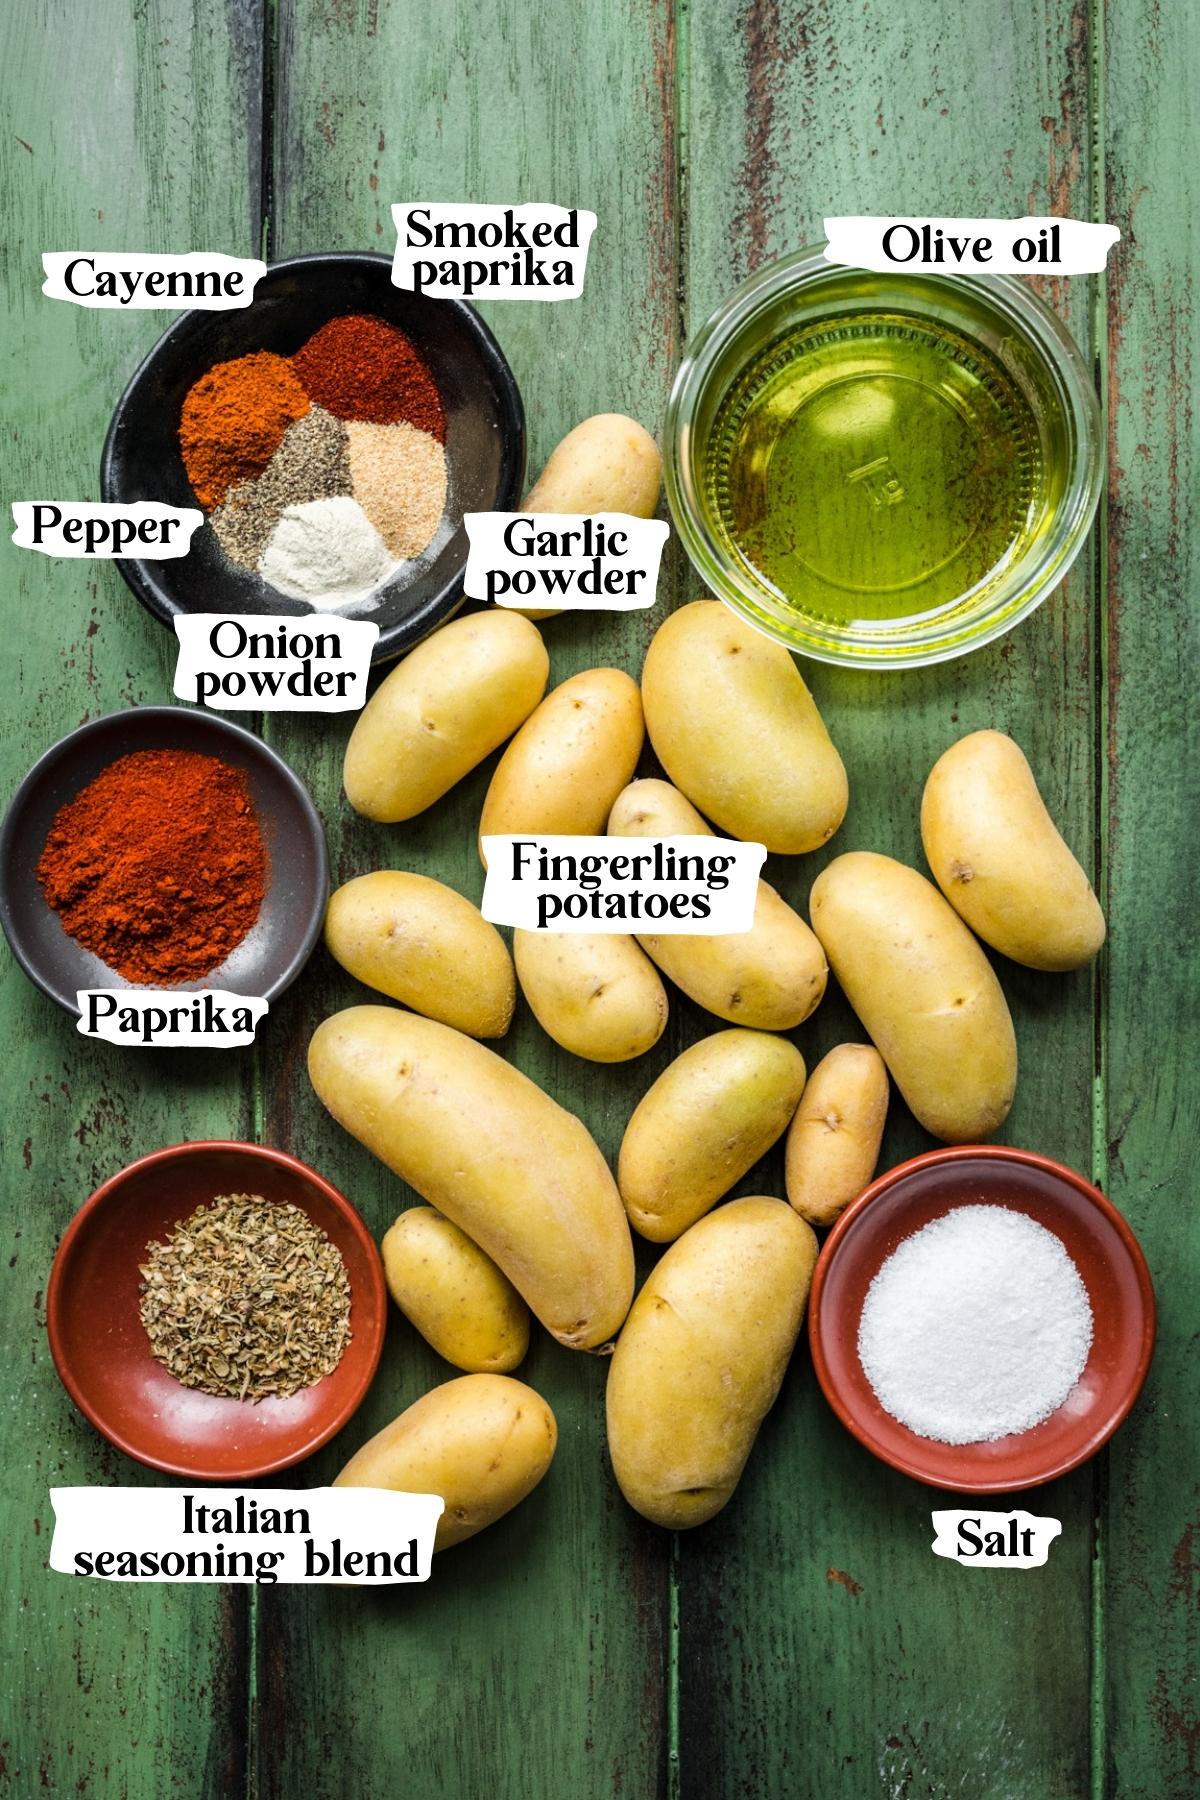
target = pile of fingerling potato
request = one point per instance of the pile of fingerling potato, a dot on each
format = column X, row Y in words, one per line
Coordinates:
column 524, row 1214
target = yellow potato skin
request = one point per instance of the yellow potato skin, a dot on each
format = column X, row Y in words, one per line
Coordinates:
column 702, row 1355
column 609, row 463
column 455, row 1296
column 447, row 705
column 738, row 732
column 423, row 944
column 595, row 993
column 568, row 763
column 707, row 1119
column 833, row 1140
column 924, row 990
column 485, row 1146
column 483, row 1442
column 770, row 977
column 1001, row 861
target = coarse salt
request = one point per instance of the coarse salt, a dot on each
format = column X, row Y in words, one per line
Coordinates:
column 976, row 1327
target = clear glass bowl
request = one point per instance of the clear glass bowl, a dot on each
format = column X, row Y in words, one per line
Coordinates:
column 1014, row 335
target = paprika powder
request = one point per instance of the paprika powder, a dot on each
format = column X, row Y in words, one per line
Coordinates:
column 158, row 866
column 233, row 421
column 361, row 367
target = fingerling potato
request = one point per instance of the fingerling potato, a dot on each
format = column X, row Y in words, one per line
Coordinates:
column 770, row 977
column 485, row 1146
column 595, row 993
column 483, row 1442
column 834, row 1137
column 707, row 1119
column 738, row 732
column 924, row 990
column 607, row 464
column 701, row 1358
column 570, row 760
column 1001, row 861
column 447, row 705
column 423, row 944
column 454, row 1295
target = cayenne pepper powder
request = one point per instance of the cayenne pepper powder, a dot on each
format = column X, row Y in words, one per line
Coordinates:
column 233, row 421
column 158, row 866
column 360, row 367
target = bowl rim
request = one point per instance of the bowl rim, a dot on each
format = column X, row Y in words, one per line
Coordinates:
column 1046, row 333
column 55, row 1301
column 1001, row 1153
column 403, row 634
column 8, row 830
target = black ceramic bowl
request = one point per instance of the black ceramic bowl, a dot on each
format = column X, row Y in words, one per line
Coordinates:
column 485, row 437
column 283, row 937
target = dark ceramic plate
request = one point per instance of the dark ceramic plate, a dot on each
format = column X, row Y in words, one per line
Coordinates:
column 485, row 437
column 101, row 1350
column 285, row 933
column 1099, row 1243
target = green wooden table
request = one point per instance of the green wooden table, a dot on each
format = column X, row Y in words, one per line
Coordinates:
column 807, row 1643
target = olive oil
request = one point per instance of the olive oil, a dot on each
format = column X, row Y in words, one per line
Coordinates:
column 877, row 465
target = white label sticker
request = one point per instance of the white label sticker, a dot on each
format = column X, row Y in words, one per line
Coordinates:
column 678, row 886
column 491, row 252
column 256, row 662
column 364, row 1536
column 160, row 1018
column 146, row 529
column 1032, row 246
column 605, row 562
column 204, row 280
column 994, row 1540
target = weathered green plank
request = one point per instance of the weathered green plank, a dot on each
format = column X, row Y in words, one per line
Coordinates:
column 555, row 1617
column 1151, row 1547
column 110, row 1690
column 824, row 1650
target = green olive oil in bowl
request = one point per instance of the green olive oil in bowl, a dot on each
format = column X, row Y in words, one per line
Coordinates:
column 882, row 468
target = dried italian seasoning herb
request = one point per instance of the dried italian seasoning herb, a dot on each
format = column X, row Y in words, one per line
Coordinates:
column 246, row 1298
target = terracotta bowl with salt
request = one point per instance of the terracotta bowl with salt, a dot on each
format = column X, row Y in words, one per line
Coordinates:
column 1109, row 1262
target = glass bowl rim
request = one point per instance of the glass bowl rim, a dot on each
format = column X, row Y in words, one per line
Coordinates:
column 1024, row 587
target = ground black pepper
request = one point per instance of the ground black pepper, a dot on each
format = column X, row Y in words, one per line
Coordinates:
column 310, row 464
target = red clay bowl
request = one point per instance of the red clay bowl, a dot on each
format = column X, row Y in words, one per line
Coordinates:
column 1109, row 1261
column 101, row 1350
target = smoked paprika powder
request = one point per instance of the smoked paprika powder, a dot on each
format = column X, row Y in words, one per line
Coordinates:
column 361, row 367
column 158, row 866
